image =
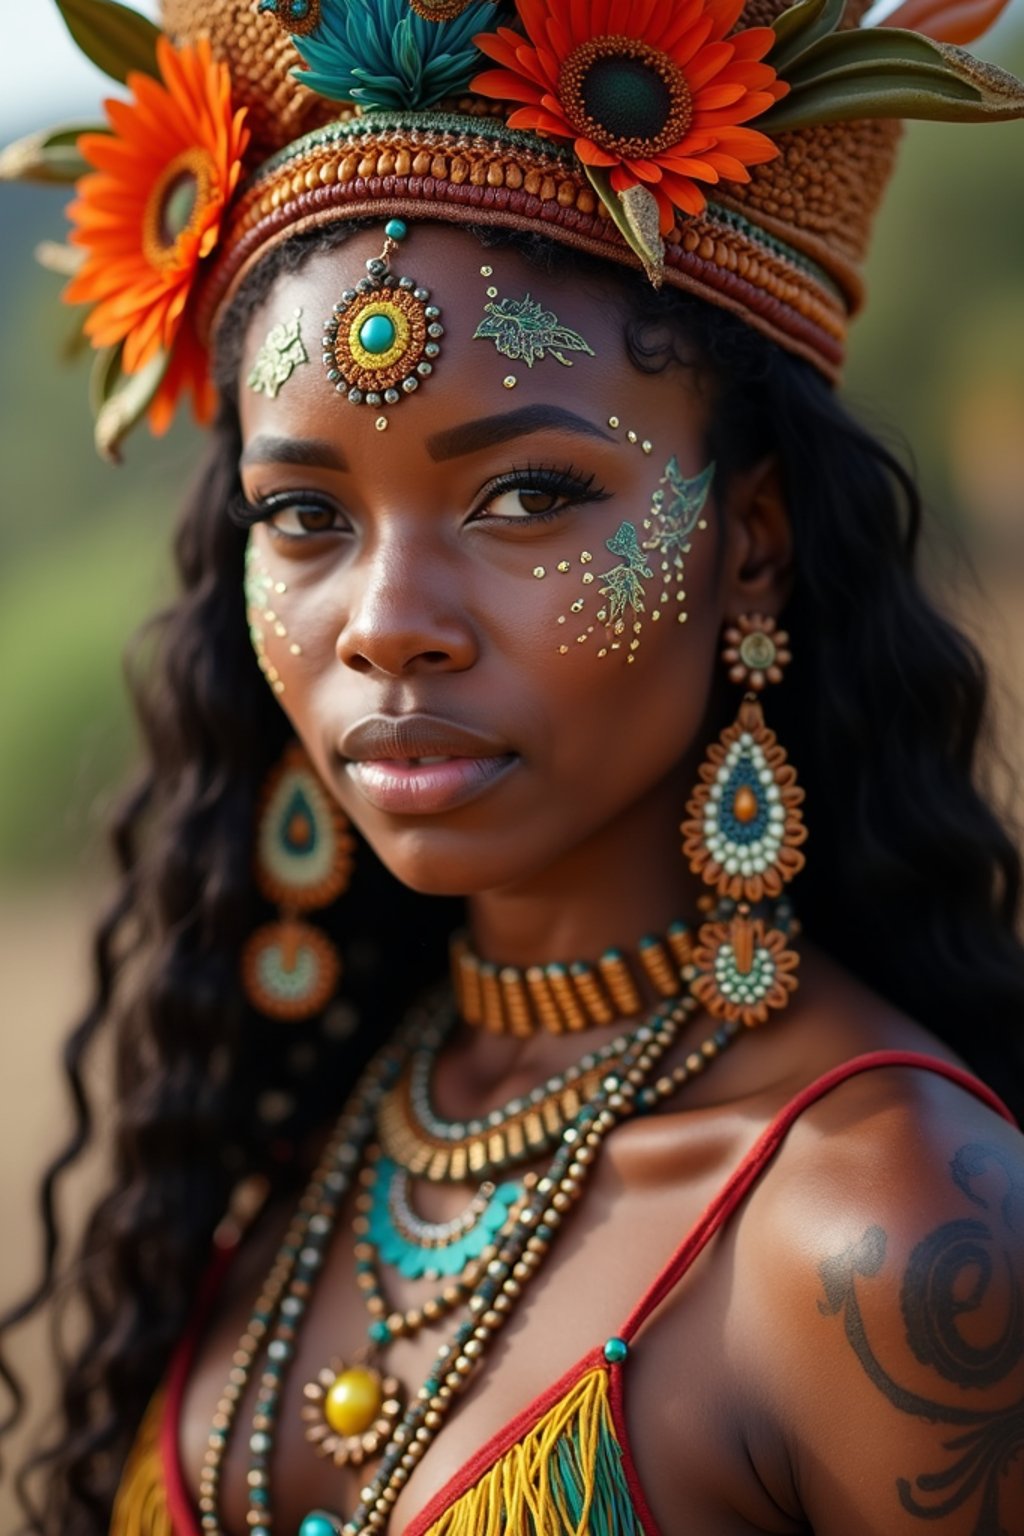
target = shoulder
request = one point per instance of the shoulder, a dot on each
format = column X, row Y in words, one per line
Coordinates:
column 882, row 1274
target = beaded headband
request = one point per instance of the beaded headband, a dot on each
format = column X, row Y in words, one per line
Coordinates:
column 737, row 151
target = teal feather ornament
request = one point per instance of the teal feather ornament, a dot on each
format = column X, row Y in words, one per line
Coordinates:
column 438, row 1251
column 381, row 53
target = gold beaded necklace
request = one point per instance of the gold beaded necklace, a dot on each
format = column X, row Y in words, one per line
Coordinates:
column 401, row 1431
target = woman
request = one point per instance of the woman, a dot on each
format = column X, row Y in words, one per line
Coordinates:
column 490, row 546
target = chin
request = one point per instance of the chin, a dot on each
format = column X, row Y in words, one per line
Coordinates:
column 423, row 864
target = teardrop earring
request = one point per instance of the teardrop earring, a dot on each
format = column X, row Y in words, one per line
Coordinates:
column 742, row 835
column 302, row 860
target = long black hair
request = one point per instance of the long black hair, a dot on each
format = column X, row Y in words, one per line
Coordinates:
column 913, row 883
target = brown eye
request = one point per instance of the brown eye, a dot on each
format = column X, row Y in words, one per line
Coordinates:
column 537, row 501
column 315, row 519
column 304, row 518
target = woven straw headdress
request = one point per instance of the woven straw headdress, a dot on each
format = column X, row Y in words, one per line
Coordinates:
column 736, row 151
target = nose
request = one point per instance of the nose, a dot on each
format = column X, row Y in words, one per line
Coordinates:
column 407, row 615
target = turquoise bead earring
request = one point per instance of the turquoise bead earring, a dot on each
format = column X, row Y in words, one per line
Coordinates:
column 303, row 860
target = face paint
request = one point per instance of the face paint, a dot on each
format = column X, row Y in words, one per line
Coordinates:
column 384, row 334
column 277, row 359
column 676, row 506
column 260, row 592
column 524, row 331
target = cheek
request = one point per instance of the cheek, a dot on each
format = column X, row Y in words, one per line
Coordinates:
column 269, row 606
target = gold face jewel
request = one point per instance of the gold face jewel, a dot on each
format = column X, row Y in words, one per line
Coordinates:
column 277, row 359
column 384, row 334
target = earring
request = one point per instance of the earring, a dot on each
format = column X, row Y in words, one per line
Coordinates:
column 742, row 835
column 302, row 860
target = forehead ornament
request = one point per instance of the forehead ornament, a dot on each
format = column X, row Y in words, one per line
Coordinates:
column 524, row 331
column 384, row 334
column 276, row 361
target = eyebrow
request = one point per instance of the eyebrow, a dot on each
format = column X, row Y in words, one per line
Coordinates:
column 311, row 453
column 488, row 431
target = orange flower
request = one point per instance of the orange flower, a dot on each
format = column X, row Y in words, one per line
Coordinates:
column 151, row 214
column 654, row 93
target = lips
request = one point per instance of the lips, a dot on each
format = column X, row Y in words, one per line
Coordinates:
column 422, row 764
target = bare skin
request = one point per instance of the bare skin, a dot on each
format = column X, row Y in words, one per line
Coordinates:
column 753, row 1402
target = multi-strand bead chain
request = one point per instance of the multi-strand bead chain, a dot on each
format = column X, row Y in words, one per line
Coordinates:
column 280, row 1308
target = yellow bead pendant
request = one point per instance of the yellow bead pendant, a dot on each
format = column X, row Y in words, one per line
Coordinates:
column 353, row 1401
column 350, row 1411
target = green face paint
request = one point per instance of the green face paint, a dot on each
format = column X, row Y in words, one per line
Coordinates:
column 524, row 331
column 676, row 508
column 280, row 355
column 675, row 515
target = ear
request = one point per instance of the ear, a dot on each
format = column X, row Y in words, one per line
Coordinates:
column 757, row 564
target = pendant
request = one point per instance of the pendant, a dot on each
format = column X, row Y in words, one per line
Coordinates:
column 433, row 1250
column 350, row 1411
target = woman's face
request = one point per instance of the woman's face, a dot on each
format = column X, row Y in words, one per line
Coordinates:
column 420, row 589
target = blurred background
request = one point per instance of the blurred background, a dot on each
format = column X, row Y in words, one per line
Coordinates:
column 937, row 365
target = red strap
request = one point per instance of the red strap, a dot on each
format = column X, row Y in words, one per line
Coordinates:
column 179, row 1501
column 765, row 1148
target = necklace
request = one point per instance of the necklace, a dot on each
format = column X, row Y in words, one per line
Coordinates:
column 405, row 1431
column 509, row 999
column 452, row 1151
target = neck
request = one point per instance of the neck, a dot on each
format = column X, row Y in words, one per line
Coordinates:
column 628, row 880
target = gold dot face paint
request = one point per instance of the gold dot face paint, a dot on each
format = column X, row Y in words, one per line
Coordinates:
column 676, row 505
column 260, row 593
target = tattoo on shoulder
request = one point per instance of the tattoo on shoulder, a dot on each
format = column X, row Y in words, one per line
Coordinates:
column 960, row 1267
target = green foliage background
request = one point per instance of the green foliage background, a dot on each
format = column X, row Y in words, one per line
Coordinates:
column 83, row 547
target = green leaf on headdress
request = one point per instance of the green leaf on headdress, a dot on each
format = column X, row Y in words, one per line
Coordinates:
column 801, row 26
column 635, row 215
column 48, row 156
column 120, row 400
column 872, row 72
column 380, row 53
column 116, row 38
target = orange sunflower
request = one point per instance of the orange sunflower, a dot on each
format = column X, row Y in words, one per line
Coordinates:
column 151, row 214
column 654, row 94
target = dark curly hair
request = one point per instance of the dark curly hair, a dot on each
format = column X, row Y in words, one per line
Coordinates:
column 913, row 885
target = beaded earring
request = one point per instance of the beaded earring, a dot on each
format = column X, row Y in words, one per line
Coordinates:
column 303, row 860
column 742, row 835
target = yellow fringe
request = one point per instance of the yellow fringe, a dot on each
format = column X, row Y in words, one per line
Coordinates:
column 517, row 1496
column 140, row 1508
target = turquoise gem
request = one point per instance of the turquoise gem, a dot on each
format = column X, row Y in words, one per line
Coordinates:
column 615, row 1351
column 377, row 334
column 298, row 825
column 396, row 229
column 316, row 1523
column 379, row 1332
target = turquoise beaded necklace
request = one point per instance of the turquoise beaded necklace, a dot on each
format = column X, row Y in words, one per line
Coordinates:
column 520, row 1251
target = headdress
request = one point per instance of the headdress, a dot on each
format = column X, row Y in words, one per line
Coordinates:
column 735, row 150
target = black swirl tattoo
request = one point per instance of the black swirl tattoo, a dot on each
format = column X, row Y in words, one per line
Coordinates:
column 949, row 1276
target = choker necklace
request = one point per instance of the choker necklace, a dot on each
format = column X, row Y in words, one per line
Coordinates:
column 563, row 998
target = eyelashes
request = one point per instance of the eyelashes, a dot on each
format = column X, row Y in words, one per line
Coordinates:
column 569, row 486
